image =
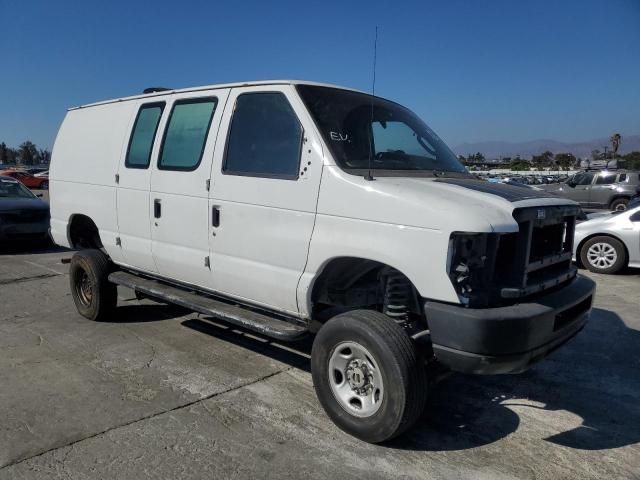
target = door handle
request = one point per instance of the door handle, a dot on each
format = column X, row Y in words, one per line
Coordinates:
column 157, row 208
column 215, row 216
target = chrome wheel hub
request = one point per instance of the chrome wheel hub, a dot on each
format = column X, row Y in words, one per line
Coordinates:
column 359, row 377
column 355, row 379
column 602, row 255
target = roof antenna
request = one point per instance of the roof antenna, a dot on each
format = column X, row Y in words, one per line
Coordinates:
column 373, row 92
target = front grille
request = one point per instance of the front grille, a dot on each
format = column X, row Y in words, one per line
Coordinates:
column 538, row 257
column 547, row 240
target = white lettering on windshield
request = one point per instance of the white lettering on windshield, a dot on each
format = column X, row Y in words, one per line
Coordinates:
column 338, row 137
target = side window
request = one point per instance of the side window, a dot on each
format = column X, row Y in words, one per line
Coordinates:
column 622, row 177
column 635, row 217
column 265, row 137
column 186, row 134
column 606, row 179
column 142, row 135
column 585, row 179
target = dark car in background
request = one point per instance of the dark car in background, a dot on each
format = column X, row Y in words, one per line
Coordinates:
column 23, row 216
column 599, row 189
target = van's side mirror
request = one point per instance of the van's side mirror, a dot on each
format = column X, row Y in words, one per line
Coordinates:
column 571, row 183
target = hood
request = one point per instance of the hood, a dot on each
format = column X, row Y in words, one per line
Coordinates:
column 435, row 203
column 22, row 204
column 512, row 193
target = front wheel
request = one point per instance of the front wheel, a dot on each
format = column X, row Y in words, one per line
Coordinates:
column 603, row 255
column 95, row 297
column 368, row 375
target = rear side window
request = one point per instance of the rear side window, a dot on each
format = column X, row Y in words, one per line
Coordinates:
column 186, row 134
column 265, row 137
column 606, row 179
column 144, row 131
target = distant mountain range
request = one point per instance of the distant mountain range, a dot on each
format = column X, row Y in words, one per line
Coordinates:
column 536, row 147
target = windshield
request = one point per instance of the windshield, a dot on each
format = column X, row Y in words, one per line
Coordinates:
column 13, row 189
column 361, row 129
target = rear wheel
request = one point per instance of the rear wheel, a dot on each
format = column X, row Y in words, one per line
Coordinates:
column 603, row 255
column 368, row 375
column 619, row 205
column 95, row 297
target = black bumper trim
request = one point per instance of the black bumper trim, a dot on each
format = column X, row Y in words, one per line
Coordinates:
column 508, row 339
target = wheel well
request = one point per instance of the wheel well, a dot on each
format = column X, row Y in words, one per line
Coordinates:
column 348, row 283
column 618, row 197
column 584, row 240
column 83, row 233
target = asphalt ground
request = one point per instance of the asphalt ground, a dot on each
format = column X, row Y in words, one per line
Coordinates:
column 159, row 392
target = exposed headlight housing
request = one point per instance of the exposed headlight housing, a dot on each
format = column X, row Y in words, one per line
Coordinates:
column 470, row 265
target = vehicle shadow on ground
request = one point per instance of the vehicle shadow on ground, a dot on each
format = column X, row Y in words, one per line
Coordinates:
column 594, row 377
column 296, row 354
column 145, row 312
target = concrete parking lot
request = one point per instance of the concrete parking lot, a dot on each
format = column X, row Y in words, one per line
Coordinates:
column 159, row 392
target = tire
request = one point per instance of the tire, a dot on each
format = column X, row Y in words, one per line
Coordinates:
column 603, row 254
column 619, row 205
column 95, row 297
column 398, row 379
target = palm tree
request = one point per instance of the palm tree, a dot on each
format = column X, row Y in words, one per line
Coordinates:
column 615, row 142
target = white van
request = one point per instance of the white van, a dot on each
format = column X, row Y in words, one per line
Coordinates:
column 290, row 208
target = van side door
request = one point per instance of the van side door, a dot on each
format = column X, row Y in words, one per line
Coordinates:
column 264, row 195
column 178, row 201
column 133, row 180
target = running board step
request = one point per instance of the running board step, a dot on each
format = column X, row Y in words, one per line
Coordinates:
column 229, row 313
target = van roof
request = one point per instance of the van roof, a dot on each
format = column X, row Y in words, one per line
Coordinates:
column 213, row 87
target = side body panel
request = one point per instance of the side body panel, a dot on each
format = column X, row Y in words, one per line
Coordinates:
column 600, row 195
column 82, row 174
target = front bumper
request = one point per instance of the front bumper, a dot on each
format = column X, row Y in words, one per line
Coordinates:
column 508, row 339
column 23, row 231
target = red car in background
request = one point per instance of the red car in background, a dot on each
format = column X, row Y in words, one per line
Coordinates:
column 27, row 179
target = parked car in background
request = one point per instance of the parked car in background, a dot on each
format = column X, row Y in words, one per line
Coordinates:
column 610, row 242
column 27, row 179
column 36, row 170
column 603, row 189
column 43, row 174
column 23, row 216
column 516, row 183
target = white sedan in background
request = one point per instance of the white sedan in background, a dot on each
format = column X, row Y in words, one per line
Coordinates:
column 608, row 243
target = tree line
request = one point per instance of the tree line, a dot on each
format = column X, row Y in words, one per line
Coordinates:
column 27, row 153
column 562, row 161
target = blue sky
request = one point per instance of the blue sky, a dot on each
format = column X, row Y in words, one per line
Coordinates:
column 474, row 70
